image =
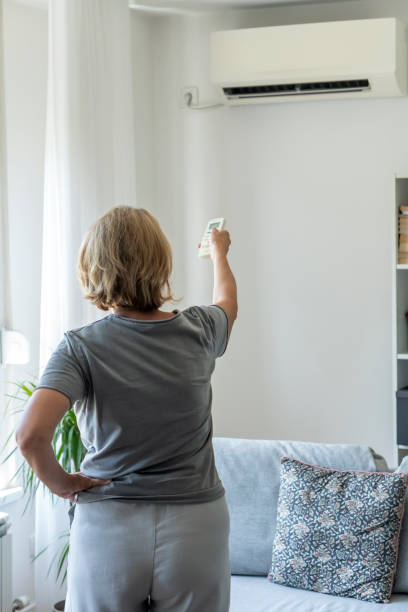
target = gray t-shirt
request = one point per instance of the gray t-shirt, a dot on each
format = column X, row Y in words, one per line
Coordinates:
column 141, row 391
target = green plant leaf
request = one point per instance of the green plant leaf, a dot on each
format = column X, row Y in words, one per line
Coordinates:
column 9, row 455
column 27, row 390
column 52, row 563
column 69, row 452
column 62, row 558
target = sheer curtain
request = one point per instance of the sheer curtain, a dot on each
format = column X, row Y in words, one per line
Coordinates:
column 6, row 470
column 89, row 167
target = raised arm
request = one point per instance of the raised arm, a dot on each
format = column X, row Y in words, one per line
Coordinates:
column 225, row 287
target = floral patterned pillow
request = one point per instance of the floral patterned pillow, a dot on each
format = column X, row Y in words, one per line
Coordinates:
column 338, row 531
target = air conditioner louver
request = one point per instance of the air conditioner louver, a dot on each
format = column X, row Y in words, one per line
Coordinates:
column 293, row 89
column 338, row 59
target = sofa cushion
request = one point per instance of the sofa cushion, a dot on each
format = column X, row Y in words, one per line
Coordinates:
column 257, row 594
column 401, row 578
column 338, row 531
column 249, row 470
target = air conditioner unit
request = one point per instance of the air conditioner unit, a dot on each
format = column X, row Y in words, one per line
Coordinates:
column 364, row 58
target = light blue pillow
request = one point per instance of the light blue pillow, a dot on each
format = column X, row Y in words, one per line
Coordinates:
column 337, row 531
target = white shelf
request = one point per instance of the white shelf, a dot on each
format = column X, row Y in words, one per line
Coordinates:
column 400, row 308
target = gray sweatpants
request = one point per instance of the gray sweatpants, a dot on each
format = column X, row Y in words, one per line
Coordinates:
column 128, row 555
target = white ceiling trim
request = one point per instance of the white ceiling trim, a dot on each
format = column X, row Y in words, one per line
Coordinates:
column 194, row 6
column 162, row 10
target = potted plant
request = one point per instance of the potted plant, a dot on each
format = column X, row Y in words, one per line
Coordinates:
column 69, row 451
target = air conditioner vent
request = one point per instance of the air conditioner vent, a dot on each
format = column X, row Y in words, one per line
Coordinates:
column 293, row 89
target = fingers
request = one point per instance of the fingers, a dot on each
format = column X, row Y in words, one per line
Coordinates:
column 94, row 480
column 80, row 482
column 99, row 481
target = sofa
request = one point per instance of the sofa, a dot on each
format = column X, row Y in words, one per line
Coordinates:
column 250, row 472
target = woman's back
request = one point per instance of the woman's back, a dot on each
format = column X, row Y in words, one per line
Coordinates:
column 142, row 393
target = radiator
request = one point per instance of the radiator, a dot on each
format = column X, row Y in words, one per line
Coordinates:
column 5, row 573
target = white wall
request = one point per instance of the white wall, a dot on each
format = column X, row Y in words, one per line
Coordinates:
column 142, row 51
column 307, row 192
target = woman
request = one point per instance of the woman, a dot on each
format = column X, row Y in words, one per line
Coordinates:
column 151, row 524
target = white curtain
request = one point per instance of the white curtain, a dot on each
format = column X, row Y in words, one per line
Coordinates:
column 5, row 311
column 89, row 167
column 6, row 470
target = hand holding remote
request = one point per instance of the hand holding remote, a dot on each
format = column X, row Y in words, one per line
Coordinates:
column 204, row 248
column 219, row 243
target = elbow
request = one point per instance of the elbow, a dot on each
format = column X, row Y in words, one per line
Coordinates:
column 27, row 441
column 22, row 437
column 23, row 442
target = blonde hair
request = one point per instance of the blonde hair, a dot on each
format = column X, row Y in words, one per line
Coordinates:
column 125, row 260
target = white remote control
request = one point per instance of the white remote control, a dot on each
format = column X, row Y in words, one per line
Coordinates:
column 204, row 250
